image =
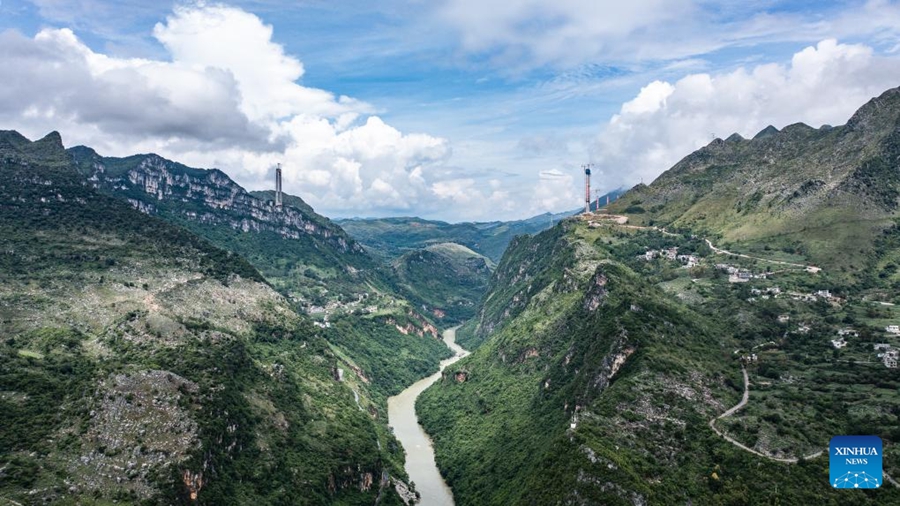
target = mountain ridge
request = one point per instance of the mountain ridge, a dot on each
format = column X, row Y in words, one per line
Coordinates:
column 142, row 364
column 786, row 186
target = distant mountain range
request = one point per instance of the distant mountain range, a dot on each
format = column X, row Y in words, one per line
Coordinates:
column 170, row 338
column 392, row 237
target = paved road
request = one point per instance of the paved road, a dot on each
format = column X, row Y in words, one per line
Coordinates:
column 735, row 409
column 622, row 220
column 810, row 268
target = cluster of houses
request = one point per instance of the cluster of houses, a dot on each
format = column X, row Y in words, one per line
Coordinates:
column 337, row 306
column 747, row 359
column 888, row 355
column 764, row 294
column 671, row 254
column 738, row 275
column 813, row 297
column 843, row 334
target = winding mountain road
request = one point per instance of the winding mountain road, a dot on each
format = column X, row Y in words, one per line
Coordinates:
column 735, row 409
column 792, row 460
column 622, row 221
column 809, row 268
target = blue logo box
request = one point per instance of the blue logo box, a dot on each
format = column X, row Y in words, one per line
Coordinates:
column 855, row 462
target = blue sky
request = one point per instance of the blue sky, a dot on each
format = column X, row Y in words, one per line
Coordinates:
column 454, row 109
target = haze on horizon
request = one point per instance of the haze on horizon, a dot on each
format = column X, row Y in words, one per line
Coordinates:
column 456, row 109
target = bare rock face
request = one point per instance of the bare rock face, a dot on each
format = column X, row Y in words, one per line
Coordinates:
column 209, row 197
column 618, row 354
column 596, row 292
column 138, row 427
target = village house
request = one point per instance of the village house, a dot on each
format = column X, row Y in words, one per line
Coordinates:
column 848, row 332
column 784, row 318
column 893, row 329
column 839, row 343
column 890, row 358
column 882, row 346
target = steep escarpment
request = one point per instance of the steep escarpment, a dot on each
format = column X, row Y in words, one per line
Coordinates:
column 599, row 384
column 311, row 261
column 298, row 250
column 526, row 269
column 141, row 364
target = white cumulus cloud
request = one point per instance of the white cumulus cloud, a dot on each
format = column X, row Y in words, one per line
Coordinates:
column 228, row 97
column 822, row 84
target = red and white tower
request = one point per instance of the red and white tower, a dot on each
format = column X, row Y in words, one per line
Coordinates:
column 587, row 187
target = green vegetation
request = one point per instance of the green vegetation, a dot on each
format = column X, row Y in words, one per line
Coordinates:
column 139, row 363
column 640, row 355
column 448, row 279
column 826, row 194
column 390, row 238
column 303, row 255
column 604, row 354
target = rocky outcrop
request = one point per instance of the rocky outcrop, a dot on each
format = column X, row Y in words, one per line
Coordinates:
column 155, row 185
column 596, row 292
column 138, row 428
column 613, row 361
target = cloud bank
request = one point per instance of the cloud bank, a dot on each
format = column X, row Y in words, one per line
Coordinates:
column 822, row 84
column 527, row 34
column 228, row 97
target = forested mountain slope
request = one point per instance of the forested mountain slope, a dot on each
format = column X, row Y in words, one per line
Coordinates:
column 601, row 372
column 320, row 269
column 448, row 279
column 141, row 364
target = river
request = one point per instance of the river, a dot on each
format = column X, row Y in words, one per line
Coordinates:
column 420, row 465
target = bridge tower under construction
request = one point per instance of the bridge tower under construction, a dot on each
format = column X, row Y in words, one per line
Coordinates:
column 587, row 187
column 278, row 200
